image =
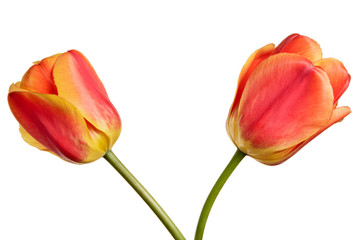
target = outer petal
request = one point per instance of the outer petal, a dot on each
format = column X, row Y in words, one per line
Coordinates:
column 301, row 45
column 338, row 75
column 56, row 124
column 39, row 77
column 30, row 140
column 78, row 83
column 252, row 62
column 285, row 101
column 279, row 157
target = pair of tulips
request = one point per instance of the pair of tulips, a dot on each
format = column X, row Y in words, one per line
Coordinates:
column 286, row 96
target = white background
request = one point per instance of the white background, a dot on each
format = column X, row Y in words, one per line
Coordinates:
column 171, row 69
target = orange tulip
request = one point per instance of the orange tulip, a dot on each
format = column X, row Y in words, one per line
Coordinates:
column 286, row 96
column 63, row 108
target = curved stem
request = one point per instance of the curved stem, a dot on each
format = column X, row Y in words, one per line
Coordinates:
column 144, row 194
column 236, row 159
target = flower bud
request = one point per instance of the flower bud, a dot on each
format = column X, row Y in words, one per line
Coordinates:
column 63, row 108
column 286, row 96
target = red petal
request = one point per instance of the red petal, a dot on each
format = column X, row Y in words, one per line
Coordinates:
column 301, row 45
column 252, row 62
column 279, row 157
column 286, row 100
column 56, row 124
column 30, row 140
column 338, row 75
column 78, row 83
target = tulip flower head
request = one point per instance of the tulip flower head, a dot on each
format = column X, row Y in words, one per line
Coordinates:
column 62, row 107
column 286, row 96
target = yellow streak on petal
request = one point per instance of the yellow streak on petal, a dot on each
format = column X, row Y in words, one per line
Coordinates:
column 49, row 130
column 279, row 157
column 30, row 140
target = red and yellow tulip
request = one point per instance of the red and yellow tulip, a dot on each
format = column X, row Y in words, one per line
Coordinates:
column 286, row 96
column 62, row 107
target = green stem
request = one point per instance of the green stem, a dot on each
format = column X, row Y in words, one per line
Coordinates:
column 236, row 159
column 144, row 194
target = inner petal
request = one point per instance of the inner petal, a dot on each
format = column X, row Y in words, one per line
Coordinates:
column 39, row 77
column 301, row 45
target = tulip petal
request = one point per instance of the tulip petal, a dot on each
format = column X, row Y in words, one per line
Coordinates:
column 252, row 62
column 39, row 76
column 56, row 124
column 279, row 157
column 16, row 87
column 286, row 100
column 301, row 45
column 78, row 83
column 338, row 75
column 30, row 140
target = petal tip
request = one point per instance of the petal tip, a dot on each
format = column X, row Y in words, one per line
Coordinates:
column 302, row 45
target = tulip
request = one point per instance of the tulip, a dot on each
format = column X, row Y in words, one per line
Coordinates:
column 63, row 108
column 286, row 96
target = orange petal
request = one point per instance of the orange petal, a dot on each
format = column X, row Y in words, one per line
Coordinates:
column 338, row 75
column 301, row 45
column 55, row 124
column 286, row 100
column 39, row 77
column 252, row 62
column 78, row 83
column 279, row 157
